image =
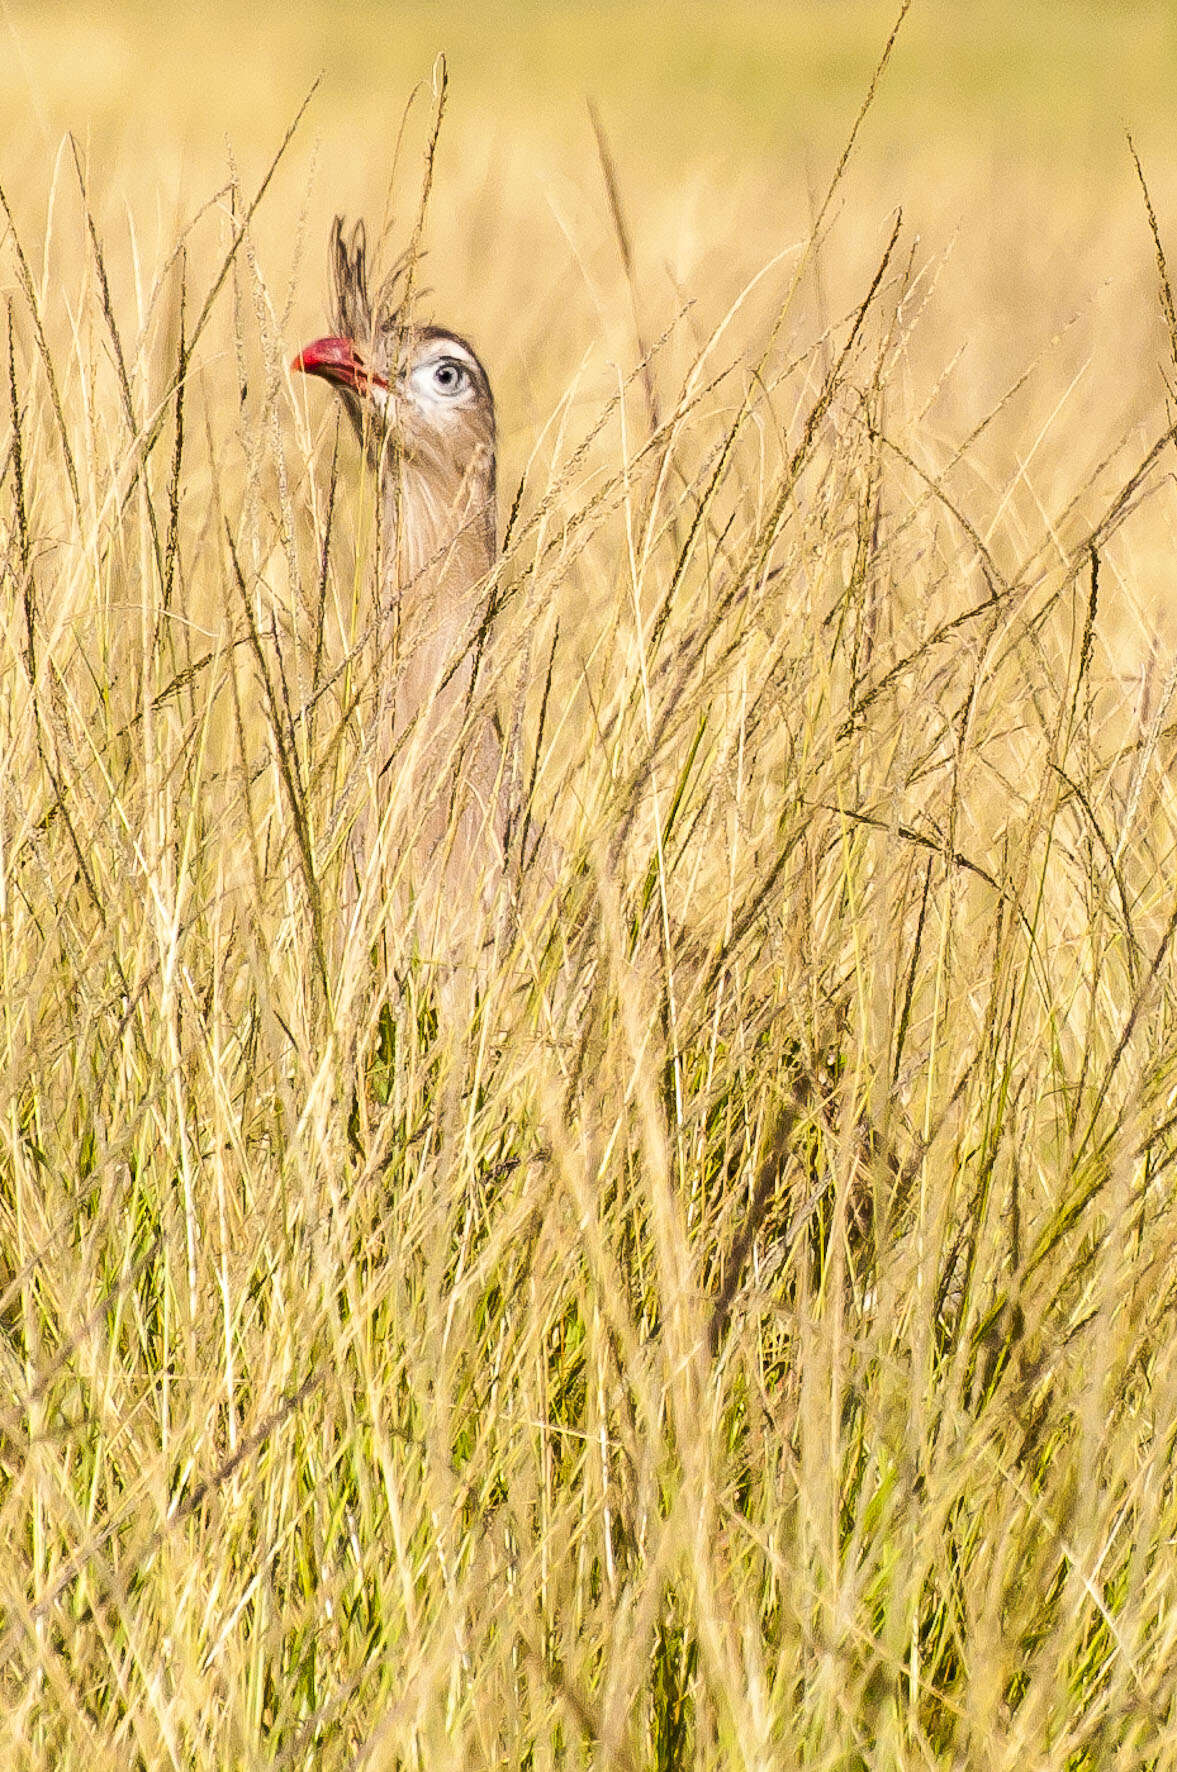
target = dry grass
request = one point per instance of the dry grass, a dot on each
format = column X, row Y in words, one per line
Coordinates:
column 747, row 1338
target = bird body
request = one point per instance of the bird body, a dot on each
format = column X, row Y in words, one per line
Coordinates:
column 422, row 406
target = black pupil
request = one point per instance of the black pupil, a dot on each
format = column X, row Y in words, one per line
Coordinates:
column 448, row 375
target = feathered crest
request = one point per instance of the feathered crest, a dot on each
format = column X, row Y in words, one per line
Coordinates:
column 354, row 314
column 349, row 273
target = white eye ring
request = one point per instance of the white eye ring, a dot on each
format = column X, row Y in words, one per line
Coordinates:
column 448, row 379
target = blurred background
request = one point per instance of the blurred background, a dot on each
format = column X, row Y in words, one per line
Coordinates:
column 1000, row 130
column 1054, row 79
column 996, row 124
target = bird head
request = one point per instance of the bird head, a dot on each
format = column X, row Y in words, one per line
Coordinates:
column 419, row 388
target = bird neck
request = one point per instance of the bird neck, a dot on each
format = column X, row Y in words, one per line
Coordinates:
column 439, row 546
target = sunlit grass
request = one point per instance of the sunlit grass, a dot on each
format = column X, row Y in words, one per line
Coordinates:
column 745, row 1335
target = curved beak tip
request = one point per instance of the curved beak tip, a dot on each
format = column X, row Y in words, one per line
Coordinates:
column 338, row 361
column 327, row 356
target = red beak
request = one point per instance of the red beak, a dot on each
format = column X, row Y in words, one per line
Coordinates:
column 337, row 360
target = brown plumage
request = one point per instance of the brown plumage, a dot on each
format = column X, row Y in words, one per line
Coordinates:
column 422, row 407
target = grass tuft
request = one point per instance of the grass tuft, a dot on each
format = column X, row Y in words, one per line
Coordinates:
column 739, row 1332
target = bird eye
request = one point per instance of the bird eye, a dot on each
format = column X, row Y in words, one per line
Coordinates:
column 449, row 376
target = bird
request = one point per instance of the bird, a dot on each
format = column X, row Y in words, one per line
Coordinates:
column 422, row 407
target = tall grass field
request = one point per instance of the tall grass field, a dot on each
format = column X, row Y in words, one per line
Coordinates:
column 740, row 1330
